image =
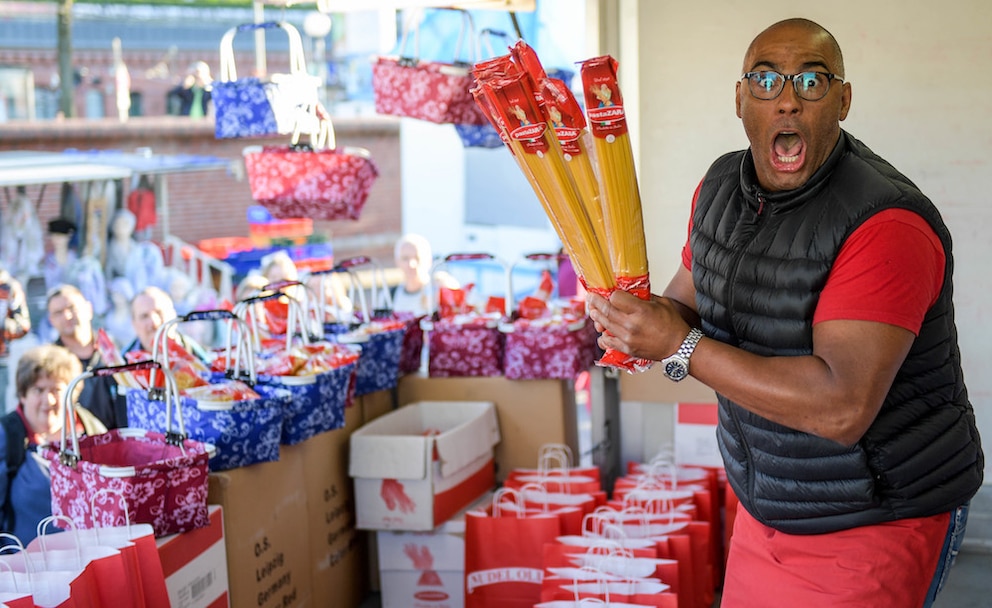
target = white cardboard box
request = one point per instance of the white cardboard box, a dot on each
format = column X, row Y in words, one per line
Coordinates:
column 425, row 569
column 418, row 466
column 195, row 565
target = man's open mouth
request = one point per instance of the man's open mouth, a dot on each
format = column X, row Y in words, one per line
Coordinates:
column 788, row 149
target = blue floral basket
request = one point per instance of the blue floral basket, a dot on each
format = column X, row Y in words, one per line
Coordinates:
column 318, row 402
column 244, row 432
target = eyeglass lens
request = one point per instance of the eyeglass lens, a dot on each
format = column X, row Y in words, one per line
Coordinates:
column 810, row 86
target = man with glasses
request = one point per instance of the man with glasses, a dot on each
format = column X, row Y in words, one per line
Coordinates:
column 815, row 298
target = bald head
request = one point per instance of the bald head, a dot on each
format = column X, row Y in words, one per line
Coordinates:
column 804, row 28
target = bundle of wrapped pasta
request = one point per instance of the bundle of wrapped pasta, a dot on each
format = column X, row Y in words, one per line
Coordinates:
column 596, row 213
column 519, row 116
column 619, row 192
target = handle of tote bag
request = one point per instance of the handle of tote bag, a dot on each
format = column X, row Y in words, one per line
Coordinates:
column 466, row 38
column 69, row 457
column 355, row 290
column 296, row 321
column 170, row 396
column 297, row 60
column 244, row 366
column 530, row 257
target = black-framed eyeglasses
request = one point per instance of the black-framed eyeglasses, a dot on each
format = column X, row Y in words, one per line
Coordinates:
column 769, row 84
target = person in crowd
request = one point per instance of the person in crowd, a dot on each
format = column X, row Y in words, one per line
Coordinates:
column 16, row 323
column 815, row 298
column 412, row 255
column 43, row 376
column 278, row 267
column 71, row 314
column 117, row 321
column 150, row 309
column 192, row 96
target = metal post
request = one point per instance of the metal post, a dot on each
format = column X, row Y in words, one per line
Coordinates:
column 605, row 418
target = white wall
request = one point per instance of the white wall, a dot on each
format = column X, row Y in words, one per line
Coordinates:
column 921, row 99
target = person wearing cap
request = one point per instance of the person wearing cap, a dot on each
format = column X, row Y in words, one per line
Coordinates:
column 60, row 261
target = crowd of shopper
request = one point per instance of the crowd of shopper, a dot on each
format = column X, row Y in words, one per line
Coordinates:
column 41, row 377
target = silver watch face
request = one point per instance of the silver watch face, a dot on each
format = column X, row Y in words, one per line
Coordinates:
column 676, row 368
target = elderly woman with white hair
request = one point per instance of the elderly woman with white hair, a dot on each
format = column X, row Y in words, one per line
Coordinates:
column 413, row 257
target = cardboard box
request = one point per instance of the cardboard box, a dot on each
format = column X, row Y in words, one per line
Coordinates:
column 653, row 386
column 416, row 467
column 195, row 565
column 339, row 562
column 425, row 569
column 531, row 413
column 267, row 541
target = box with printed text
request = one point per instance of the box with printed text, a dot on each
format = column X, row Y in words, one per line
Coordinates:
column 195, row 565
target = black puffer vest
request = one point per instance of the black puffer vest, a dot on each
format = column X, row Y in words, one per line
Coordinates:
column 759, row 264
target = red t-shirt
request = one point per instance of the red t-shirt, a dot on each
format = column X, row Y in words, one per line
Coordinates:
column 889, row 270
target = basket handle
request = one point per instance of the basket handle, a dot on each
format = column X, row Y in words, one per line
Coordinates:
column 69, row 457
column 297, row 60
column 469, row 257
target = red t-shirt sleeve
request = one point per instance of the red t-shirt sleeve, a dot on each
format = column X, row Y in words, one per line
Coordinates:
column 686, row 249
column 890, row 270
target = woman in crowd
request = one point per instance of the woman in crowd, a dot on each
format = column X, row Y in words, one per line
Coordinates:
column 413, row 257
column 43, row 377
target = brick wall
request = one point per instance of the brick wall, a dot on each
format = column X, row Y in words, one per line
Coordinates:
column 212, row 204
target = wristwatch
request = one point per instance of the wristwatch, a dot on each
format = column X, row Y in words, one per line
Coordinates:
column 677, row 366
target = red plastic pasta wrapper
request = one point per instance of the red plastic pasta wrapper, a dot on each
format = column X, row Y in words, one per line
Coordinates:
column 495, row 67
column 640, row 287
column 527, row 61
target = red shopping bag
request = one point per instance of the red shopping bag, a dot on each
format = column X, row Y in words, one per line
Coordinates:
column 139, row 581
column 163, row 476
column 104, row 576
column 570, row 517
column 323, row 184
column 65, row 588
column 503, row 555
column 435, row 91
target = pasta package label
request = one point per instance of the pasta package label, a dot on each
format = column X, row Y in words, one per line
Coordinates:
column 514, row 102
column 604, row 103
column 564, row 114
